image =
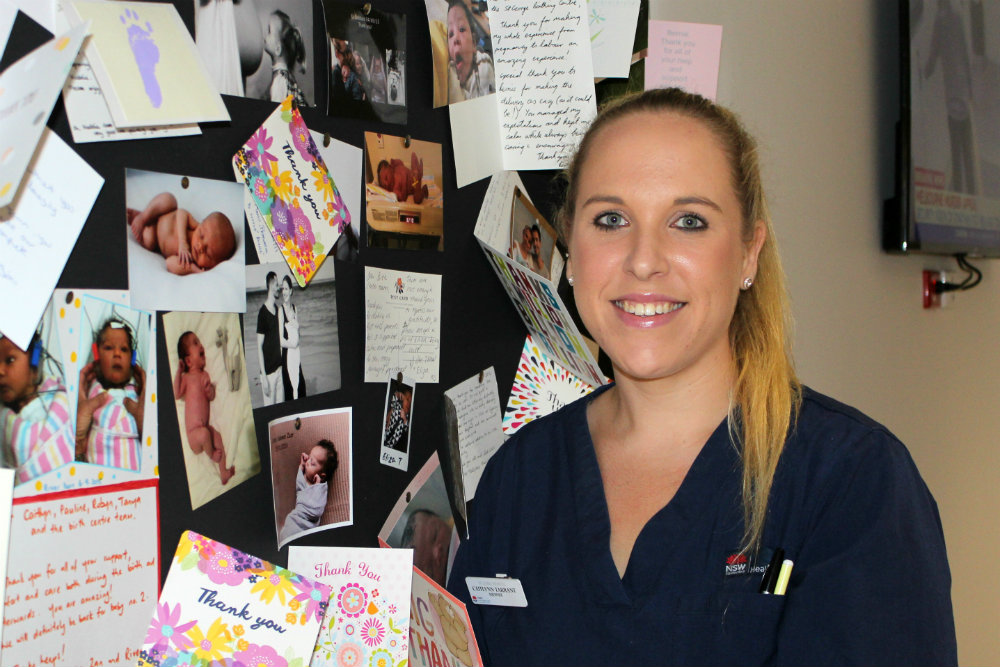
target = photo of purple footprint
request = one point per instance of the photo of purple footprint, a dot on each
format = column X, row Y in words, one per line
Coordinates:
column 146, row 54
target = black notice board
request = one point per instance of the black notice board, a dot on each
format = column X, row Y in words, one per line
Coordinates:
column 479, row 325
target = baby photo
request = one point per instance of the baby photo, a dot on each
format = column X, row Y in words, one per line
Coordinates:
column 462, row 50
column 367, row 62
column 185, row 242
column 291, row 334
column 116, row 384
column 311, row 472
column 533, row 240
column 37, row 426
column 209, row 380
column 403, row 193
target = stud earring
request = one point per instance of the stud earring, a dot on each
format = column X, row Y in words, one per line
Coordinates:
column 747, row 283
column 570, row 280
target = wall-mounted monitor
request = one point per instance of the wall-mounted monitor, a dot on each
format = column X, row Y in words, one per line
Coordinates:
column 947, row 198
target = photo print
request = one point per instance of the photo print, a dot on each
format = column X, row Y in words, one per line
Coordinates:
column 404, row 193
column 422, row 520
column 461, row 50
column 311, row 472
column 532, row 238
column 37, row 423
column 367, row 62
column 291, row 334
column 117, row 382
column 262, row 49
column 397, row 420
column 185, row 242
column 209, row 381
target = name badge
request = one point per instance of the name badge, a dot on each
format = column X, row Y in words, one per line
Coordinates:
column 497, row 591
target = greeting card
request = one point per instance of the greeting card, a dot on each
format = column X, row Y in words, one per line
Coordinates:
column 440, row 629
column 368, row 619
column 147, row 64
column 531, row 289
column 221, row 606
column 540, row 387
column 28, row 88
column 292, row 188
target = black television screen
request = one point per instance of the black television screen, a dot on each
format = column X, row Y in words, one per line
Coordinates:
column 947, row 197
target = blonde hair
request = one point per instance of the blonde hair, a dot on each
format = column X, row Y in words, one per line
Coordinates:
column 766, row 394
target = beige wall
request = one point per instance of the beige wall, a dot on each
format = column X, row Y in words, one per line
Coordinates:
column 816, row 81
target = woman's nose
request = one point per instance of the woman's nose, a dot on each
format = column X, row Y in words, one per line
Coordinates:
column 647, row 253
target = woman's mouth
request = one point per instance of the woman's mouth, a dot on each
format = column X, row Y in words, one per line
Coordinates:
column 649, row 308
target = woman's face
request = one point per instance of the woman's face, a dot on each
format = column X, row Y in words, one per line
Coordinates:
column 286, row 291
column 656, row 250
column 461, row 49
column 272, row 36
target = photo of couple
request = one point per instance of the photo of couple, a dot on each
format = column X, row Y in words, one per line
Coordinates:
column 290, row 334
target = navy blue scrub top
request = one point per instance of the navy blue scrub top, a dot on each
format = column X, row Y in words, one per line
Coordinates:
column 870, row 584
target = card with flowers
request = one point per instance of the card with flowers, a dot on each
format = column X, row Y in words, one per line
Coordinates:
column 222, row 607
column 293, row 190
column 368, row 619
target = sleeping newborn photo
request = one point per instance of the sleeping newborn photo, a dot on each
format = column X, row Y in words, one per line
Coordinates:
column 185, row 242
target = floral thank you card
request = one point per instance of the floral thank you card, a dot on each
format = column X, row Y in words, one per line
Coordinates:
column 223, row 607
column 293, row 190
column 368, row 619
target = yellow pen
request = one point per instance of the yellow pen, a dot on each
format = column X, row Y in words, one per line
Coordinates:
column 786, row 571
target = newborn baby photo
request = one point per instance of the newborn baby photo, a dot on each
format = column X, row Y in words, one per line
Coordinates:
column 185, row 242
column 311, row 472
column 209, row 379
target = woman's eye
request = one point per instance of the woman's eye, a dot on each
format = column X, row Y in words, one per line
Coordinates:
column 610, row 220
column 690, row 221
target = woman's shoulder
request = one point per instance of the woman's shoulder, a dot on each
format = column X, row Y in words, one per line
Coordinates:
column 831, row 440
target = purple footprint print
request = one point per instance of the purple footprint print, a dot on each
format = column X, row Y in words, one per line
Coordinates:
column 146, row 54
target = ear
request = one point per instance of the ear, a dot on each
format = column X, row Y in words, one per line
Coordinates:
column 752, row 250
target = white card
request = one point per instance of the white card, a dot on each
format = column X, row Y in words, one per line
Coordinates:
column 496, row 591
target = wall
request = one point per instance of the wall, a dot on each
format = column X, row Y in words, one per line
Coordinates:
column 817, row 83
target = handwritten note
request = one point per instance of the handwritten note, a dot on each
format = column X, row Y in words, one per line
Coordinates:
column 35, row 241
column 545, row 81
column 477, row 411
column 6, row 498
column 402, row 325
column 685, row 55
column 82, row 576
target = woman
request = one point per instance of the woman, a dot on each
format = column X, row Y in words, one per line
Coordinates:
column 291, row 355
column 639, row 520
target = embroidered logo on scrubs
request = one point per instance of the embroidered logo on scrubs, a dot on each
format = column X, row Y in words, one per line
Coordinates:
column 738, row 564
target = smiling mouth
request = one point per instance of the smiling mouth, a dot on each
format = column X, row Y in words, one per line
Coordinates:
column 649, row 309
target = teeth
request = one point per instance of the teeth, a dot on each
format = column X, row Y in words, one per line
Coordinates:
column 648, row 309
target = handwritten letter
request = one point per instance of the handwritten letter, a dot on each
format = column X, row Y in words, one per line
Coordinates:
column 82, row 576
column 402, row 325
column 477, row 408
column 545, row 83
column 35, row 241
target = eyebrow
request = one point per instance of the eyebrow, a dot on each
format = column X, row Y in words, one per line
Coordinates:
column 679, row 201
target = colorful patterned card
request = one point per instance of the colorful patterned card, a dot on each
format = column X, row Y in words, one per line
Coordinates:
column 540, row 387
column 222, row 607
column 368, row 619
column 440, row 629
column 293, row 190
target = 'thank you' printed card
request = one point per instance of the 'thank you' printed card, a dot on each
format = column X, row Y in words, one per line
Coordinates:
column 221, row 606
column 292, row 188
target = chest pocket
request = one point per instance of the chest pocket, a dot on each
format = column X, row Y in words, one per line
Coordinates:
column 738, row 628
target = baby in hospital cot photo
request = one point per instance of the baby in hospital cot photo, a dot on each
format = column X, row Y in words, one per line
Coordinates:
column 189, row 245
